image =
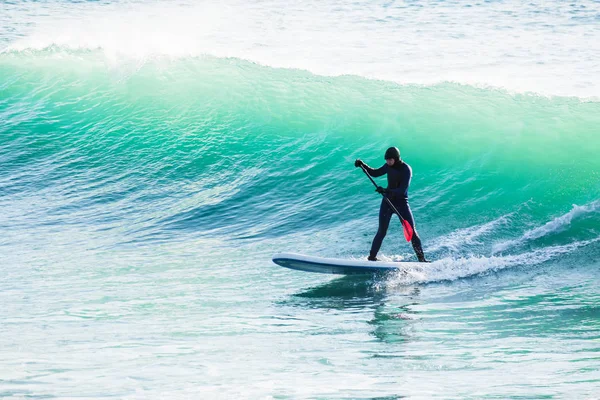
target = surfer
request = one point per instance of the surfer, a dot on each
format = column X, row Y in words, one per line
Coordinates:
column 399, row 174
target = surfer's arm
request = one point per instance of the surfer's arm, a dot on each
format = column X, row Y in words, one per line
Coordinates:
column 376, row 172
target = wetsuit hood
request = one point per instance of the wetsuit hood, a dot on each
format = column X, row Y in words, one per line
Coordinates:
column 394, row 153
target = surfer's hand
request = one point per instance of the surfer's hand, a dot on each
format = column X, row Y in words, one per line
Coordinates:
column 358, row 163
column 380, row 190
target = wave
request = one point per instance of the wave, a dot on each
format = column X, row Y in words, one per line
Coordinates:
column 230, row 150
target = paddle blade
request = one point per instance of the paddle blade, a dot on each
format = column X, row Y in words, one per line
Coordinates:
column 408, row 230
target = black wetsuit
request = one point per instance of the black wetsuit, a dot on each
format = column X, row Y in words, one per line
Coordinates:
column 398, row 177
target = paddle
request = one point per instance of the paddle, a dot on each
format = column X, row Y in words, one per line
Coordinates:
column 408, row 230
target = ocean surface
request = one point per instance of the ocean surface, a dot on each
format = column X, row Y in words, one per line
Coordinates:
column 154, row 155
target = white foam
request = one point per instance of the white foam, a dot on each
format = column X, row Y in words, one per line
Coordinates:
column 558, row 224
column 449, row 269
column 518, row 46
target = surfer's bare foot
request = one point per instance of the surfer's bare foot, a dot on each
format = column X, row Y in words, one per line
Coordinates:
column 371, row 258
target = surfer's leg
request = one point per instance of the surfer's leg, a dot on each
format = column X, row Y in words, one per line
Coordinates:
column 416, row 243
column 385, row 214
column 404, row 210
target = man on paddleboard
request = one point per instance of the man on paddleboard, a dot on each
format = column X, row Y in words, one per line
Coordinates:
column 399, row 174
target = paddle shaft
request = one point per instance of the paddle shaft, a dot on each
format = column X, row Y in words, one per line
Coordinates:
column 384, row 196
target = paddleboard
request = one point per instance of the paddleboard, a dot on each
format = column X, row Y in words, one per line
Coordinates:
column 339, row 266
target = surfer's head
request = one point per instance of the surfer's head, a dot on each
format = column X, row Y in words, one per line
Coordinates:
column 392, row 156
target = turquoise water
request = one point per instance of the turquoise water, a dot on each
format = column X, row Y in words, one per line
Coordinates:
column 145, row 182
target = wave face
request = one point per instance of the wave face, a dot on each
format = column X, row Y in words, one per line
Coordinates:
column 228, row 149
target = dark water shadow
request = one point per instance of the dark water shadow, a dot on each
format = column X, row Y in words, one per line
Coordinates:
column 348, row 292
column 390, row 306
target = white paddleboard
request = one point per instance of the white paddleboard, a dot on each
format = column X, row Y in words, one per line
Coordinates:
column 339, row 265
